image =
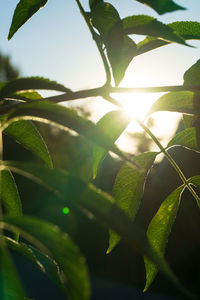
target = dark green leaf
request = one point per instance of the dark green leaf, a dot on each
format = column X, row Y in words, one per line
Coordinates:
column 9, row 195
column 128, row 189
column 116, row 121
column 188, row 30
column 162, row 6
column 120, row 49
column 10, row 285
column 62, row 117
column 184, row 102
column 30, row 83
column 97, row 202
column 44, row 262
column 188, row 138
column 23, row 12
column 62, row 249
column 27, row 134
column 93, row 3
column 192, row 75
column 188, row 120
column 159, row 230
column 147, row 25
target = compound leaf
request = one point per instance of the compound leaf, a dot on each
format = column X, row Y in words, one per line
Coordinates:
column 23, row 12
column 62, row 249
column 128, row 189
column 116, row 121
column 27, row 134
column 159, row 230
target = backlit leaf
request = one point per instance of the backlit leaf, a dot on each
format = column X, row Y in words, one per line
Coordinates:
column 23, row 12
column 147, row 25
column 116, row 121
column 188, row 30
column 188, row 120
column 188, row 138
column 159, row 230
column 162, row 6
column 75, row 191
column 27, row 134
column 11, row 288
column 128, row 189
column 192, row 75
column 184, row 102
column 62, row 249
column 30, row 83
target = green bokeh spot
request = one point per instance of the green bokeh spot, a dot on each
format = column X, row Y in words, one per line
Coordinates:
column 65, row 210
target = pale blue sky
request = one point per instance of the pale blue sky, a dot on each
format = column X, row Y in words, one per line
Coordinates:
column 56, row 43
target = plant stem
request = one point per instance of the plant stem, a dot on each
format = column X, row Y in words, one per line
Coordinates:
column 172, row 161
column 99, row 45
column 156, row 89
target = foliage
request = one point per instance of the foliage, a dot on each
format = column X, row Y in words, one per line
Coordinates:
column 43, row 243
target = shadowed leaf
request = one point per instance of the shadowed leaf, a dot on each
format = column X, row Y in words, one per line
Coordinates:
column 128, row 189
column 192, row 75
column 159, row 230
column 162, row 6
column 23, row 12
column 27, row 134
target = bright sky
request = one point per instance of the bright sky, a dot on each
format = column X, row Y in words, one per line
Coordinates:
column 56, row 44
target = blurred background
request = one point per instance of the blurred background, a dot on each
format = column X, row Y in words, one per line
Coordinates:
column 56, row 44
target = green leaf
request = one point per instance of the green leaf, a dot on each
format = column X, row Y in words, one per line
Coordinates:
column 188, row 120
column 120, row 49
column 116, row 121
column 159, row 230
column 188, row 138
column 30, row 83
column 93, row 3
column 23, row 12
column 76, row 192
column 192, row 75
column 162, row 6
column 44, row 262
column 184, row 102
column 128, row 189
column 10, row 196
column 146, row 25
column 63, row 118
column 10, row 285
column 62, row 249
column 25, row 96
column 188, row 30
column 27, row 134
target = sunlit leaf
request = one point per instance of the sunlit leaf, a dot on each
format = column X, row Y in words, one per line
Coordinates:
column 62, row 117
column 128, row 189
column 75, row 191
column 27, row 134
column 23, row 12
column 120, row 49
column 188, row 138
column 44, row 262
column 62, row 249
column 161, row 6
column 159, row 230
column 25, row 96
column 147, row 25
column 116, row 121
column 188, row 30
column 9, row 195
column 192, row 75
column 30, row 83
column 11, row 287
column 184, row 102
